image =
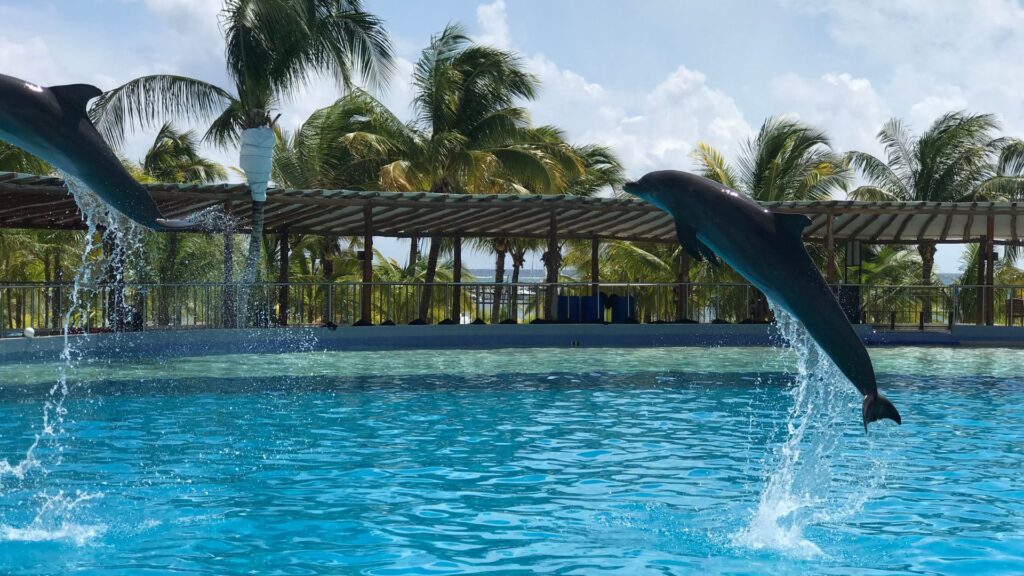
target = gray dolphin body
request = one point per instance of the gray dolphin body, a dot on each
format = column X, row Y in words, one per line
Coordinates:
column 52, row 123
column 767, row 249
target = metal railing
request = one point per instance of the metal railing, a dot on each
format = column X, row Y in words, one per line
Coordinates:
column 212, row 305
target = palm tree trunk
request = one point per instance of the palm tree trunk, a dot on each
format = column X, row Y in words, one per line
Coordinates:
column 163, row 315
column 683, row 287
column 252, row 262
column 414, row 255
column 927, row 252
column 327, row 262
column 428, row 279
column 499, row 285
column 513, row 304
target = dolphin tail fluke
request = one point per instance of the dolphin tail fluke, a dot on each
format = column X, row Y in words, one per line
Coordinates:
column 878, row 407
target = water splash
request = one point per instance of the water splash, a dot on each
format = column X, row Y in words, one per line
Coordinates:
column 801, row 490
column 54, row 521
column 121, row 239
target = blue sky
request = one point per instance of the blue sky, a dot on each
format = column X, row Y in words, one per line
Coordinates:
column 649, row 78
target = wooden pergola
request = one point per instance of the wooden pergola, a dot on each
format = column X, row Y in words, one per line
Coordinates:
column 28, row 201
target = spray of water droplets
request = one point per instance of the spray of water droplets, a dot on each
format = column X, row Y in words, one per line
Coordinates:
column 802, row 488
column 122, row 240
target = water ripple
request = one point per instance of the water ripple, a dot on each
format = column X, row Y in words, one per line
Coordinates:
column 587, row 470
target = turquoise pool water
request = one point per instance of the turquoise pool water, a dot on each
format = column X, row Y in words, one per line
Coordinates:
column 656, row 461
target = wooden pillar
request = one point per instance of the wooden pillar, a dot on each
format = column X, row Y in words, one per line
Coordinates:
column 979, row 304
column 366, row 294
column 457, row 279
column 552, row 260
column 282, row 278
column 683, row 286
column 990, row 272
column 595, row 266
column 830, row 252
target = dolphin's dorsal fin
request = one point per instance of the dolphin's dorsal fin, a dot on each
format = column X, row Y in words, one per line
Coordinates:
column 791, row 223
column 75, row 96
column 694, row 247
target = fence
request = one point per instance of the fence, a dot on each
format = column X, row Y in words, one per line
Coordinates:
column 212, row 305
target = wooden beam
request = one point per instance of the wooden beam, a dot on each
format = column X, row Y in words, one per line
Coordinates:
column 881, row 229
column 595, row 266
column 945, row 228
column 989, row 272
column 552, row 260
column 830, row 252
column 457, row 279
column 924, row 227
column 366, row 294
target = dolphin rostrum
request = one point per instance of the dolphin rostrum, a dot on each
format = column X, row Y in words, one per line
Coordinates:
column 766, row 248
column 52, row 123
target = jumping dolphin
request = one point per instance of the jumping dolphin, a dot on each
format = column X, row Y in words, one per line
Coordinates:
column 52, row 123
column 765, row 248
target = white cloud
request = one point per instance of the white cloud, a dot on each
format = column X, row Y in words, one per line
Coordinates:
column 848, row 108
column 493, row 22
column 194, row 23
column 942, row 100
column 936, row 55
column 30, row 60
column 649, row 129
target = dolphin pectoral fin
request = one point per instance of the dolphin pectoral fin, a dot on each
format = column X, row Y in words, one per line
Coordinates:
column 791, row 223
column 174, row 224
column 687, row 236
column 75, row 96
column 878, row 407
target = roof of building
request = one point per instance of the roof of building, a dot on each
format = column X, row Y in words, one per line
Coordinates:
column 28, row 201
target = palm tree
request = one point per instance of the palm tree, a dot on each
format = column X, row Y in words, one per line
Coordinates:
column 955, row 160
column 174, row 157
column 342, row 146
column 14, row 159
column 468, row 134
column 787, row 160
column 273, row 46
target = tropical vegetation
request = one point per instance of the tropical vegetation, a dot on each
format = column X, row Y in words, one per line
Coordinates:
column 470, row 132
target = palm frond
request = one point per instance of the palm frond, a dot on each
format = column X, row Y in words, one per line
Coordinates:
column 143, row 102
column 713, row 165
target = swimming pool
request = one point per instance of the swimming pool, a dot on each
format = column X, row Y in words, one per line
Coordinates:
column 618, row 461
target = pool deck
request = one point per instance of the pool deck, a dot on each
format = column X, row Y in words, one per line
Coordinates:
column 174, row 343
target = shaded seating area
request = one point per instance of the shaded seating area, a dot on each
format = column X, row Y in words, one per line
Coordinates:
column 43, row 202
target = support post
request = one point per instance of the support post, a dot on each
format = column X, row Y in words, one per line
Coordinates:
column 282, row 278
column 830, row 253
column 595, row 266
column 683, row 286
column 552, row 261
column 366, row 294
column 990, row 272
column 457, row 279
column 979, row 303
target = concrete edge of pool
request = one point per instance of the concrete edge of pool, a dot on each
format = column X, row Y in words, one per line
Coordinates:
column 172, row 343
